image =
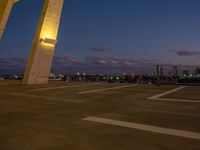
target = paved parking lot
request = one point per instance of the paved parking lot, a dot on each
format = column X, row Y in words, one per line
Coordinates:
column 99, row 116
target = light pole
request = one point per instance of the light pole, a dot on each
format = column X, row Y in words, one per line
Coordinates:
column 158, row 75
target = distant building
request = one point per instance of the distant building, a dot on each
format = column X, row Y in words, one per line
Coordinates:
column 185, row 73
column 175, row 71
column 158, row 70
column 158, row 74
column 161, row 72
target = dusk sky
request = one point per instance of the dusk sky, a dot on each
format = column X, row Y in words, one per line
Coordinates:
column 103, row 36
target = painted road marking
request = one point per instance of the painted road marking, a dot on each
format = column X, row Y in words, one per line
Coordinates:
column 176, row 100
column 158, row 97
column 41, row 97
column 106, row 89
column 144, row 127
column 62, row 87
column 167, row 92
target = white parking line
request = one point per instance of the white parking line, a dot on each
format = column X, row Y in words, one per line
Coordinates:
column 176, row 100
column 105, row 89
column 167, row 92
column 144, row 127
column 158, row 97
column 62, row 87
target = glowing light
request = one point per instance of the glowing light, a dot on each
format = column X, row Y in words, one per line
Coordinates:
column 49, row 41
column 48, row 35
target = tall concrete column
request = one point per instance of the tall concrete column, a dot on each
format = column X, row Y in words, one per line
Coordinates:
column 5, row 9
column 41, row 55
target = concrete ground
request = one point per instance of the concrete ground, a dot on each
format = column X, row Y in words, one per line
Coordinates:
column 52, row 117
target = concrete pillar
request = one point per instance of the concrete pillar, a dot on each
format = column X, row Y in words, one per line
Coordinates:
column 5, row 9
column 41, row 55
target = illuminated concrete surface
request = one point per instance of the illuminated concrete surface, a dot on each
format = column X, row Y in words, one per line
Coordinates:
column 5, row 9
column 159, row 97
column 41, row 55
column 64, row 87
column 51, row 119
column 145, row 127
column 105, row 89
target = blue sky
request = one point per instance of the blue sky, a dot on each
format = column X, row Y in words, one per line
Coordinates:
column 104, row 35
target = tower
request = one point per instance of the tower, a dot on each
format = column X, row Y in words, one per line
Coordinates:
column 41, row 55
column 5, row 9
column 158, row 75
column 175, row 71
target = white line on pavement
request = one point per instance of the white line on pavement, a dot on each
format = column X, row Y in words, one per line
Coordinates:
column 176, row 100
column 144, row 127
column 158, row 96
column 62, row 87
column 105, row 89
column 167, row 92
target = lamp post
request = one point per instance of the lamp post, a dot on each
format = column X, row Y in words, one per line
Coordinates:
column 158, row 75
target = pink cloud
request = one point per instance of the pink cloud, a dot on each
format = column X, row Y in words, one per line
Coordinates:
column 186, row 52
column 69, row 58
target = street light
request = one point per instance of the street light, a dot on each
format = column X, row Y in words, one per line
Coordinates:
column 49, row 41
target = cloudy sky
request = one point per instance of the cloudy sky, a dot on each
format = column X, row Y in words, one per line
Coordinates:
column 103, row 36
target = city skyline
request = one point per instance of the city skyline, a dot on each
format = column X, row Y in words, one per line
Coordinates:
column 109, row 36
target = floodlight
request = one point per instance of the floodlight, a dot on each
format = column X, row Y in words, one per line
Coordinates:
column 49, row 41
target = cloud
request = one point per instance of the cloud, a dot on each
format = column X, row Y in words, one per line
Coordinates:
column 58, row 60
column 186, row 52
column 4, row 61
column 11, row 64
column 61, row 63
column 99, row 49
column 12, row 61
column 92, row 64
column 66, row 59
column 70, row 59
column 18, row 60
column 98, row 64
column 129, row 62
column 2, row 51
column 97, row 61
